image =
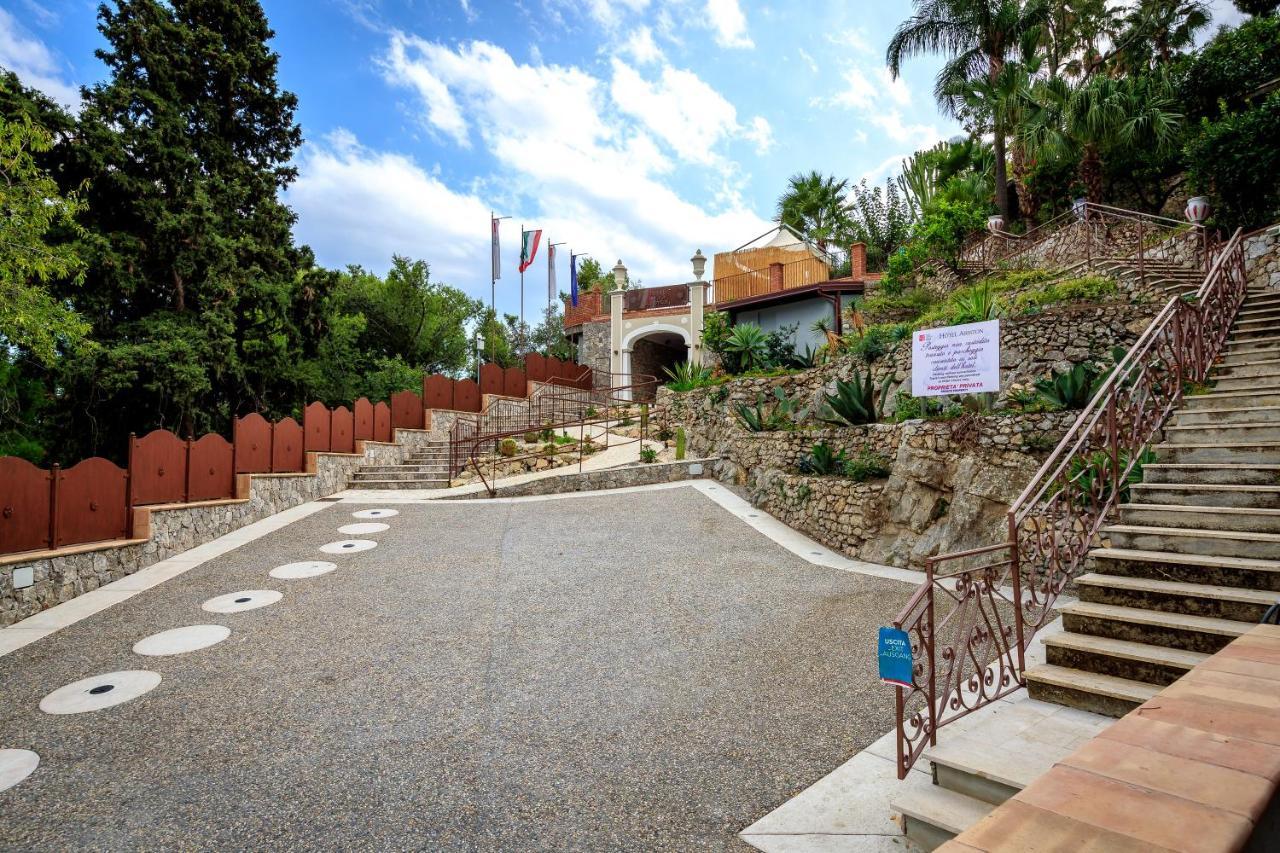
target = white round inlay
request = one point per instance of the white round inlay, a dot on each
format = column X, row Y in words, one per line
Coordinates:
column 99, row 691
column 236, row 602
column 297, row 571
column 363, row 528
column 16, row 765
column 375, row 513
column 179, row 641
column 348, row 546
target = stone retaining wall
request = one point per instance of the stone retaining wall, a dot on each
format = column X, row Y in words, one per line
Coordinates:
column 168, row 530
column 636, row 474
column 1262, row 259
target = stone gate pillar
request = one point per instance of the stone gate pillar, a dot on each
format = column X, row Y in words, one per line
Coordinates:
column 697, row 306
column 616, row 365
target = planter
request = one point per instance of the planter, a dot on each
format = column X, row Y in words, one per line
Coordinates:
column 1197, row 209
column 995, row 224
column 1079, row 207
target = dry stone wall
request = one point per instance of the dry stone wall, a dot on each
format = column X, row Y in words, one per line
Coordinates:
column 1262, row 259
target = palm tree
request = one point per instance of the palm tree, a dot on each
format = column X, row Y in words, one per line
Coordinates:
column 1153, row 31
column 815, row 206
column 978, row 37
column 1088, row 117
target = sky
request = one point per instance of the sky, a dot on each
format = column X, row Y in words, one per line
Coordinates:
column 638, row 130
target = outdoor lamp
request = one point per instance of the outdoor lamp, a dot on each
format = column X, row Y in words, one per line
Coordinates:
column 699, row 265
column 619, row 275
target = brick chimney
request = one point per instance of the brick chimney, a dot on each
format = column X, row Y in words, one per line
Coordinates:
column 858, row 261
column 775, row 278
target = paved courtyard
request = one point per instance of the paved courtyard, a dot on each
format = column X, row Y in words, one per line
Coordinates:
column 638, row 671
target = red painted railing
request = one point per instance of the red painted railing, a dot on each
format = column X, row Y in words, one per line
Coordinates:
column 973, row 619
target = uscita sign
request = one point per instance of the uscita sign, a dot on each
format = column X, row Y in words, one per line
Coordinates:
column 894, row 654
column 956, row 360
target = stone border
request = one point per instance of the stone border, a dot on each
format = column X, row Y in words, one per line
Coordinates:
column 165, row 530
column 627, row 476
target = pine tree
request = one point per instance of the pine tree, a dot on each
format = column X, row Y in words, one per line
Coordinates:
column 195, row 289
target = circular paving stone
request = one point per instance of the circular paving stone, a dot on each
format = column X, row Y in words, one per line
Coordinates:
column 375, row 513
column 348, row 546
column 363, row 528
column 179, row 641
column 297, row 571
column 99, row 691
column 237, row 602
column 16, row 765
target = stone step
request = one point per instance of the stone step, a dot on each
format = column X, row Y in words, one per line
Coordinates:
column 1264, row 364
column 1088, row 691
column 1149, row 664
column 1206, row 495
column 1201, row 517
column 1246, row 383
column 1209, row 543
column 1203, row 634
column 399, row 484
column 1253, row 344
column 1241, row 572
column 400, row 475
column 1225, row 433
column 1211, row 473
column 1259, row 396
column 1193, row 599
column 424, row 466
column 1239, row 416
column 1252, row 333
column 1259, row 452
column 1258, row 307
column 934, row 815
column 1264, row 321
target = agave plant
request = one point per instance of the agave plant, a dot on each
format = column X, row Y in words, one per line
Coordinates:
column 748, row 346
column 686, row 376
column 784, row 413
column 855, row 402
column 1069, row 390
column 976, row 304
column 823, row 461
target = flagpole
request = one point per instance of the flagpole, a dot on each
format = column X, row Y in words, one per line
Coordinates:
column 551, row 273
column 495, row 261
column 521, row 272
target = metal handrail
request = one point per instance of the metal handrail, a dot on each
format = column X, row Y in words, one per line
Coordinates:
column 976, row 652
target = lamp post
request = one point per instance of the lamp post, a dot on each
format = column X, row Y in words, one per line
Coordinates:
column 699, row 265
column 619, row 276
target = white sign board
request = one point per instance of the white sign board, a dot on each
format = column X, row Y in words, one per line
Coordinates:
column 956, row 359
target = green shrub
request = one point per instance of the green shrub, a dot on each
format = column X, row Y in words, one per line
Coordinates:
column 903, row 305
column 530, row 437
column 648, row 455
column 746, row 348
column 975, row 304
column 664, row 434
column 908, row 408
column 1070, row 390
column 507, row 447
column 1230, row 159
column 1091, row 288
column 548, row 449
column 785, row 413
column 877, row 340
column 866, row 466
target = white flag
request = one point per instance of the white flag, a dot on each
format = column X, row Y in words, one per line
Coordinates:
column 551, row 271
column 497, row 253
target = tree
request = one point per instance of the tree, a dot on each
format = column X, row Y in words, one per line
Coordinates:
column 1236, row 159
column 978, row 37
column 1152, row 32
column 1100, row 112
column 548, row 336
column 591, row 277
column 31, row 318
column 193, row 285
column 881, row 220
column 814, row 206
column 1257, row 8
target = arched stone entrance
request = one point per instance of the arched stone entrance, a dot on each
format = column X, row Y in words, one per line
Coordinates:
column 650, row 348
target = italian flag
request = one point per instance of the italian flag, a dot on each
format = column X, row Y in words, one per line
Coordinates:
column 529, row 247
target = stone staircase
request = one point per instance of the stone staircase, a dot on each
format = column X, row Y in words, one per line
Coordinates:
column 1194, row 561
column 425, row 468
column 1170, row 278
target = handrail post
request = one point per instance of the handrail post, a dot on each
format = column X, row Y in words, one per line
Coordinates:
column 1016, row 580
column 1113, row 439
column 1142, row 273
column 930, row 643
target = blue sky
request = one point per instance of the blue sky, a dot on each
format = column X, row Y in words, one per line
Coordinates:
column 632, row 129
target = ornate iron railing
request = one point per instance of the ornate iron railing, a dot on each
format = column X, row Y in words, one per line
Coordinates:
column 973, row 619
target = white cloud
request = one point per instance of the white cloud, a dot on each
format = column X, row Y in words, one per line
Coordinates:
column 861, row 92
column 808, row 60
column 578, row 155
column 369, row 205
column 899, row 130
column 467, row 10
column 33, row 62
column 855, row 38
column 728, row 23
column 761, row 133
column 883, row 169
column 641, row 47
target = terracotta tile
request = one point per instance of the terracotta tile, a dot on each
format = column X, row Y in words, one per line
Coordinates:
column 1198, row 713
column 1027, row 829
column 1247, row 756
column 1149, row 816
column 1236, row 693
column 1217, row 787
column 1242, row 666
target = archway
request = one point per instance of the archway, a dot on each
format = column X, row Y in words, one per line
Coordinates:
column 649, row 350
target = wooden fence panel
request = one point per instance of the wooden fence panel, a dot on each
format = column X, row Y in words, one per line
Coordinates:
column 437, row 392
column 92, row 503
column 406, row 410
column 490, row 379
column 363, row 411
column 157, row 469
column 24, row 506
column 252, row 439
column 466, row 395
column 287, row 443
column 211, row 469
column 343, row 437
column 382, row 422
column 315, row 424
column 535, row 367
column 514, row 383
